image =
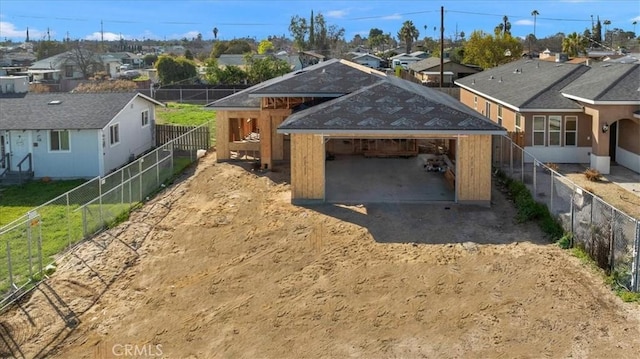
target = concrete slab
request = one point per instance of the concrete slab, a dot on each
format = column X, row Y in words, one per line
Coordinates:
column 356, row 179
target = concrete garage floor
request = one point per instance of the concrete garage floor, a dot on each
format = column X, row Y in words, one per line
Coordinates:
column 356, row 179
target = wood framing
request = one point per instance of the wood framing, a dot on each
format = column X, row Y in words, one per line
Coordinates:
column 473, row 170
column 307, row 168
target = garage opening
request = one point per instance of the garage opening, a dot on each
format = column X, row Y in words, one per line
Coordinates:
column 367, row 170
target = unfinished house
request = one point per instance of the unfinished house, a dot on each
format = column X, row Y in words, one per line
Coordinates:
column 350, row 134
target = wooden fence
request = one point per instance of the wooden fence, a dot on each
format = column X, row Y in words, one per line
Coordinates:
column 198, row 138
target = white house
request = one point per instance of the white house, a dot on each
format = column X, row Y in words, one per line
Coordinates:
column 74, row 135
column 368, row 60
column 403, row 60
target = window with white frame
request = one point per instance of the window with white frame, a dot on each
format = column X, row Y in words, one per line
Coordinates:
column 114, row 134
column 555, row 126
column 538, row 130
column 145, row 118
column 500, row 115
column 571, row 130
column 518, row 122
column 487, row 109
column 59, row 140
column 475, row 102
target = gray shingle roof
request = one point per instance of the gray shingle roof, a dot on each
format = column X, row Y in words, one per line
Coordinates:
column 391, row 106
column 527, row 84
column 75, row 111
column 326, row 79
column 426, row 64
column 607, row 82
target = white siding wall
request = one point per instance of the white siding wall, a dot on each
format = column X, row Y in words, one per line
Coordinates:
column 628, row 159
column 134, row 139
column 559, row 154
column 80, row 161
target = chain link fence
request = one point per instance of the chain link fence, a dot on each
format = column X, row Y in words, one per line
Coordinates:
column 31, row 244
column 610, row 236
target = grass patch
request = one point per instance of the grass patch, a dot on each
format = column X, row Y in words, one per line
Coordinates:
column 16, row 201
column 183, row 114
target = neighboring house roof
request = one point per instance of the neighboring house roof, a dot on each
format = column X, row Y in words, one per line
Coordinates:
column 404, row 54
column 52, row 62
column 75, row 111
column 365, row 56
column 420, row 54
column 527, row 84
column 607, row 82
column 427, row 64
column 392, row 106
column 231, row 60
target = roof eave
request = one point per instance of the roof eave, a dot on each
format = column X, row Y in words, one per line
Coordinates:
column 390, row 132
column 599, row 102
column 231, row 108
column 297, row 94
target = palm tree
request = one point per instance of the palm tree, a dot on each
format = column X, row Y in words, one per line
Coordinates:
column 634, row 23
column 409, row 34
column 215, row 33
column 534, row 13
column 504, row 27
column 574, row 44
column 606, row 25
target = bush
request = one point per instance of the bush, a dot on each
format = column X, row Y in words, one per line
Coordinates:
column 553, row 166
column 592, row 174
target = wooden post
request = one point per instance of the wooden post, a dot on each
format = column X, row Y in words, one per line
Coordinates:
column 264, row 124
column 222, row 136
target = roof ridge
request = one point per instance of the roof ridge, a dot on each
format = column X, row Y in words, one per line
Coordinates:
column 553, row 84
column 614, row 83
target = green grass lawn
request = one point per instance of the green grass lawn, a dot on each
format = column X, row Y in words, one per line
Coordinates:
column 16, row 201
column 183, row 114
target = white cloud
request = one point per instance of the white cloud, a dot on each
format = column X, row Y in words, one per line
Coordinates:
column 9, row 31
column 337, row 14
column 524, row 22
column 637, row 18
column 392, row 17
column 108, row 36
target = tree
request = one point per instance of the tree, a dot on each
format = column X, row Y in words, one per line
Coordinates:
column 83, row 59
column 376, row 38
column 150, row 59
column 175, row 70
column 265, row 47
column 408, row 33
column 606, row 25
column 230, row 75
column 634, row 23
column 298, row 29
column 265, row 68
column 489, row 51
column 574, row 44
column 188, row 54
column 535, row 14
column 312, row 32
column 504, row 27
column 215, row 33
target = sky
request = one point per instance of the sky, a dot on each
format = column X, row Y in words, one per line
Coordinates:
column 177, row 19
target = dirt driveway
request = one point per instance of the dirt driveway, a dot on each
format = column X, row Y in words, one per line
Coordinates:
column 222, row 266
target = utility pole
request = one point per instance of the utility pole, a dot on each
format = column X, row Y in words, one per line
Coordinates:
column 441, row 46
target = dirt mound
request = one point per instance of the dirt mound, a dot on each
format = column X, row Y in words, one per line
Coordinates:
column 222, row 265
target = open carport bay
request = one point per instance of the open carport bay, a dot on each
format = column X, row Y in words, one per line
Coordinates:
column 358, row 179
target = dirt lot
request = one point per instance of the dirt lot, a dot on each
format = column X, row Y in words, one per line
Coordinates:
column 222, row 266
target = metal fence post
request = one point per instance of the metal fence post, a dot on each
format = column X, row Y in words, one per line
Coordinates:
column 11, row 283
column 522, row 166
column 157, row 167
column 511, row 158
column 69, row 220
column 29, row 220
column 40, row 245
column 535, row 183
column 551, row 197
column 635, row 274
column 100, row 201
column 140, row 178
column 121, row 186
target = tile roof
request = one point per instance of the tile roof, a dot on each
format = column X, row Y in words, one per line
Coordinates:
column 391, row 106
column 75, row 110
column 527, row 84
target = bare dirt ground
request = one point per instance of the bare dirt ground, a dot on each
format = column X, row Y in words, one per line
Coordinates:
column 608, row 191
column 221, row 265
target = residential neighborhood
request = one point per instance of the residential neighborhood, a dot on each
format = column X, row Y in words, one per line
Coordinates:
column 316, row 180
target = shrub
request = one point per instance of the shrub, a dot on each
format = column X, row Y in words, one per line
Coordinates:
column 565, row 241
column 592, row 174
column 553, row 166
